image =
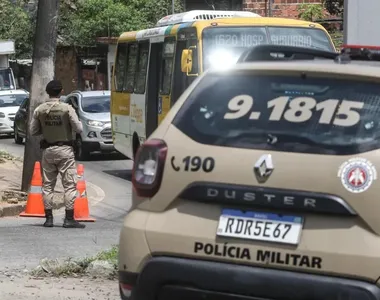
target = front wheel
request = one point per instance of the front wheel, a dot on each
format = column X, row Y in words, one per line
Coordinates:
column 18, row 139
column 81, row 153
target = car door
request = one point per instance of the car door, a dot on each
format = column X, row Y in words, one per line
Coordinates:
column 21, row 117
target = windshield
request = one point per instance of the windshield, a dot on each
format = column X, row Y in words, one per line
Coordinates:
column 6, row 79
column 223, row 45
column 12, row 100
column 98, row 104
column 284, row 113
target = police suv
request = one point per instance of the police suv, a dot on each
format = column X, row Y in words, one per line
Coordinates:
column 261, row 183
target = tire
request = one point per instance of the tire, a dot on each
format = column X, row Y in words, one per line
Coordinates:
column 18, row 139
column 81, row 153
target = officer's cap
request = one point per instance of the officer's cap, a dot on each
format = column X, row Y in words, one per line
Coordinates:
column 54, row 87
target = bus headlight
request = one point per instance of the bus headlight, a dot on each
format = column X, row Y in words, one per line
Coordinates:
column 222, row 59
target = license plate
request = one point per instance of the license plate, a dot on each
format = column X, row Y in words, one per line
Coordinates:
column 260, row 226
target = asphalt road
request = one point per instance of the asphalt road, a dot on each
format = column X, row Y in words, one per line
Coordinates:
column 24, row 242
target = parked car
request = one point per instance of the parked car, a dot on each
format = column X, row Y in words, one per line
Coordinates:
column 10, row 101
column 93, row 109
column 21, row 118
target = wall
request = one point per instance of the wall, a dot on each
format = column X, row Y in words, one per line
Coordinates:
column 66, row 68
column 280, row 8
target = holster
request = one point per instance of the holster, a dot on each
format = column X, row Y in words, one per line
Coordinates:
column 44, row 144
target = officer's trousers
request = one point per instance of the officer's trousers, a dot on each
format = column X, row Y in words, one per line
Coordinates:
column 59, row 160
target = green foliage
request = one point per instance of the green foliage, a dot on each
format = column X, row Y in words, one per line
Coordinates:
column 337, row 37
column 94, row 18
column 334, row 7
column 152, row 10
column 16, row 25
column 81, row 21
column 87, row 19
column 310, row 12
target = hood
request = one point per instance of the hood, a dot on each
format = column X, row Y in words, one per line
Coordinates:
column 103, row 117
column 9, row 109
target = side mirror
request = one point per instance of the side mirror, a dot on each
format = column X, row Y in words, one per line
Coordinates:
column 187, row 61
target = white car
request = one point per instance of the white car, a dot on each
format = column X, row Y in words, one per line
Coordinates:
column 10, row 101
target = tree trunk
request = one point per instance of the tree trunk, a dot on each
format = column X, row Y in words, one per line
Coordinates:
column 42, row 72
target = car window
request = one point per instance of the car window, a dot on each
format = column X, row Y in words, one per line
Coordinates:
column 12, row 100
column 284, row 113
column 98, row 104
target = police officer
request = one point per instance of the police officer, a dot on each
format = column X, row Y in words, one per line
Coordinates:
column 56, row 121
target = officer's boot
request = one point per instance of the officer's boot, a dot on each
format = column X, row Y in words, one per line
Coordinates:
column 69, row 221
column 49, row 218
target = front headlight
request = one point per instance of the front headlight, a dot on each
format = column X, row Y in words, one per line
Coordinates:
column 95, row 123
column 2, row 115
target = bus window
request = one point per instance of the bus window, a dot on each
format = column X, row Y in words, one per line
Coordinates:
column 142, row 68
column 167, row 66
column 121, row 63
column 131, row 68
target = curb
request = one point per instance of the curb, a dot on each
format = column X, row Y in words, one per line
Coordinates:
column 11, row 210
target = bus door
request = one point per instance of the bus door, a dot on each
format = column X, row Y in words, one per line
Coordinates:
column 166, row 78
column 153, row 84
column 186, row 39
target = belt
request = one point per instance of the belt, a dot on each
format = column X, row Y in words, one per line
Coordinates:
column 66, row 143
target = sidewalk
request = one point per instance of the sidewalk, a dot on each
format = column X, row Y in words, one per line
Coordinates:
column 12, row 201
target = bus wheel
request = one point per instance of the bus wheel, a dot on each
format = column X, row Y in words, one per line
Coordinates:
column 136, row 145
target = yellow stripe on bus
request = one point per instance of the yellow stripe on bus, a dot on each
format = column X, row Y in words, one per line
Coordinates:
column 165, row 108
column 121, row 104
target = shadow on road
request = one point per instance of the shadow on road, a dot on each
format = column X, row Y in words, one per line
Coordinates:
column 123, row 174
column 6, row 137
column 106, row 156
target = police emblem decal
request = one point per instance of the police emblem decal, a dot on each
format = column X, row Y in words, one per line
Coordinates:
column 357, row 174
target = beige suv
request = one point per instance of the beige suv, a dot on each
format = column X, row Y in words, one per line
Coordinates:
column 260, row 183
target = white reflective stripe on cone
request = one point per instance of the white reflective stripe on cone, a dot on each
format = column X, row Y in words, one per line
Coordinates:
column 81, row 194
column 34, row 189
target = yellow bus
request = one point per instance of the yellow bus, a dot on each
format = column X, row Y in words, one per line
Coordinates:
column 154, row 66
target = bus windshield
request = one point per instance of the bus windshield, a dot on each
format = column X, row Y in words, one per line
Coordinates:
column 224, row 45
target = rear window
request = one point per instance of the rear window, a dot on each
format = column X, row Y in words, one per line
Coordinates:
column 284, row 113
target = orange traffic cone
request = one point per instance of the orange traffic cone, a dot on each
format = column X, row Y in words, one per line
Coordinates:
column 35, row 204
column 81, row 210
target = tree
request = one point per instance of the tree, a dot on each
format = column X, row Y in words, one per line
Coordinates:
column 310, row 12
column 81, row 21
column 17, row 25
column 43, row 71
column 152, row 10
column 334, row 7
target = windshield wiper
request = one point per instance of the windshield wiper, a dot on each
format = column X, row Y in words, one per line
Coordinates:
column 270, row 138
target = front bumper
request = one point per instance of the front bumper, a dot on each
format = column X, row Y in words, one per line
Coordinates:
column 6, row 126
column 168, row 278
column 99, row 146
column 98, row 139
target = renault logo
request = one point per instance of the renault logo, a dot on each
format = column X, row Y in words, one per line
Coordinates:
column 263, row 168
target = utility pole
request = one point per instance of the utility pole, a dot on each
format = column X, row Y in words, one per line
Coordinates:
column 45, row 43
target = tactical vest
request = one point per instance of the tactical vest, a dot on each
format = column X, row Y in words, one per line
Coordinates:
column 55, row 122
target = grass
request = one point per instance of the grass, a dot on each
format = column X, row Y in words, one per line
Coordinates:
column 110, row 255
column 75, row 268
column 4, row 156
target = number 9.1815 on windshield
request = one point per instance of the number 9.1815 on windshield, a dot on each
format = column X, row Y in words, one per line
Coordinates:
column 332, row 111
